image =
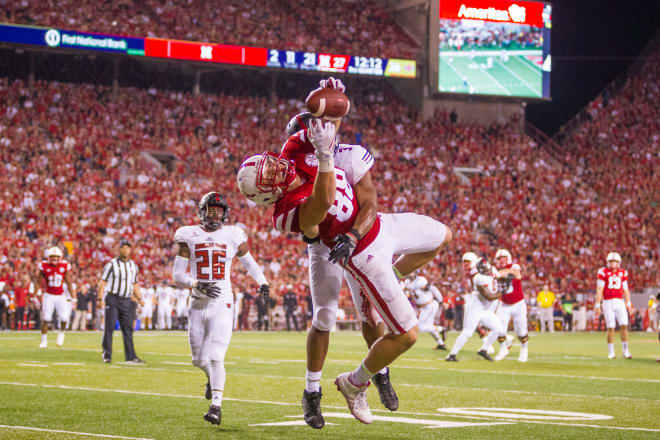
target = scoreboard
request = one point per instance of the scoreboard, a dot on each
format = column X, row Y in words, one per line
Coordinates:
column 208, row 52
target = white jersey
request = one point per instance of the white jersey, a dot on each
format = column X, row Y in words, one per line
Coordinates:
column 490, row 283
column 354, row 160
column 211, row 253
column 182, row 297
column 148, row 296
column 425, row 296
column 164, row 295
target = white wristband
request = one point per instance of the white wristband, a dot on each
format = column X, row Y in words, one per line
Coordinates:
column 326, row 166
column 597, row 305
column 629, row 304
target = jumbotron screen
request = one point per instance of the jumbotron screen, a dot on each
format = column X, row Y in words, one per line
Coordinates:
column 495, row 47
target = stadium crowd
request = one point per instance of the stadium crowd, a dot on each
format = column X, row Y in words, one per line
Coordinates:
column 347, row 27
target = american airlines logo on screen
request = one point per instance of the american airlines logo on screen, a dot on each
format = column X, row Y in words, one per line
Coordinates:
column 515, row 13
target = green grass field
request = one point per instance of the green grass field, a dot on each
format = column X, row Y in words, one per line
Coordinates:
column 487, row 73
column 69, row 389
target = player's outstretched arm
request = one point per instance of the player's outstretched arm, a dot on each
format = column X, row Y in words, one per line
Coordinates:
column 248, row 261
column 367, row 197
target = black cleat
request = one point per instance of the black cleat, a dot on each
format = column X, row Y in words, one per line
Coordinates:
column 440, row 347
column 387, row 394
column 214, row 415
column 311, row 403
column 208, row 394
column 136, row 360
column 451, row 358
column 106, row 357
column 484, row 354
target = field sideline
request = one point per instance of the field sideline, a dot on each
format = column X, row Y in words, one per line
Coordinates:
column 568, row 389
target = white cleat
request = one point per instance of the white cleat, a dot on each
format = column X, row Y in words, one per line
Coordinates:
column 522, row 357
column 60, row 339
column 356, row 397
column 611, row 356
column 490, row 350
column 43, row 345
column 504, row 352
column 627, row 355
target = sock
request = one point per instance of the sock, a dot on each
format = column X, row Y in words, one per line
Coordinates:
column 383, row 371
column 489, row 340
column 624, row 345
column 217, row 381
column 610, row 348
column 460, row 342
column 44, row 338
column 313, row 380
column 524, row 345
column 360, row 376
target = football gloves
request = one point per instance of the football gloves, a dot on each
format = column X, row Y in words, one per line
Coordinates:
column 322, row 136
column 332, row 83
column 504, row 283
column 264, row 292
column 208, row 288
column 343, row 249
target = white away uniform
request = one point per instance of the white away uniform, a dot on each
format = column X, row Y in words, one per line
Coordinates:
column 164, row 295
column 148, row 298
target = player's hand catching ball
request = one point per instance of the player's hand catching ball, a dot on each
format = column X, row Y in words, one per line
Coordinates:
column 332, row 83
column 322, row 136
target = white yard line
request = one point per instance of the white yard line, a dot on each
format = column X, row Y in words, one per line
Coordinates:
column 521, row 80
column 87, row 434
column 297, row 405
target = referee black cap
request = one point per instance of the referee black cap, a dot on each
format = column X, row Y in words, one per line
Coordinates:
column 124, row 242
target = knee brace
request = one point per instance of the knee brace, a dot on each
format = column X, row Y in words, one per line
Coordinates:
column 501, row 339
column 524, row 339
column 324, row 319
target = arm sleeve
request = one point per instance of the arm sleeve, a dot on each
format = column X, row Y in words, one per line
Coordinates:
column 253, row 268
column 179, row 274
column 625, row 285
column 600, row 283
column 436, row 294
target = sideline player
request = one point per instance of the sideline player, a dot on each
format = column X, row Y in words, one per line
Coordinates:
column 513, row 304
column 326, row 277
column 480, row 307
column 148, row 307
column 209, row 248
column 427, row 299
column 611, row 289
column 327, row 207
column 54, row 273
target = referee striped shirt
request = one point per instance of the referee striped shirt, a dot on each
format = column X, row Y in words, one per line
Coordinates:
column 120, row 276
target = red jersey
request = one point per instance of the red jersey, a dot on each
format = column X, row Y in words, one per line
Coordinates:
column 613, row 282
column 20, row 296
column 515, row 293
column 54, row 275
column 338, row 220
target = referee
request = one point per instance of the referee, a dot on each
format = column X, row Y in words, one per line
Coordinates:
column 121, row 274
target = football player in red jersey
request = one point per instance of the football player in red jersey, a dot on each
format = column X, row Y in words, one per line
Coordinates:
column 612, row 291
column 513, row 304
column 54, row 272
column 269, row 179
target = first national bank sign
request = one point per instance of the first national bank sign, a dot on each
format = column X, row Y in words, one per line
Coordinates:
column 517, row 12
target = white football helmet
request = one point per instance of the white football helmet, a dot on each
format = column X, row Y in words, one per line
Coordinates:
column 470, row 257
column 614, row 256
column 54, row 252
column 504, row 253
column 420, row 282
column 260, row 188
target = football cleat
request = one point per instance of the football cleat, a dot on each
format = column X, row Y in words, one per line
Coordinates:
column 106, row 357
column 60, row 339
column 356, row 398
column 208, row 394
column 451, row 358
column 522, row 357
column 504, row 352
column 627, row 355
column 214, row 415
column 311, row 403
column 484, row 354
column 387, row 394
column 43, row 345
column 611, row 356
column 440, row 347
column 136, row 361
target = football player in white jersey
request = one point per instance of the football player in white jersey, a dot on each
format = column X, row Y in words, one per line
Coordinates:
column 181, row 311
column 164, row 297
column 428, row 299
column 209, row 249
column 148, row 307
column 480, row 307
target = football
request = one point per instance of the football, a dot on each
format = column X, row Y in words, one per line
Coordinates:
column 329, row 104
